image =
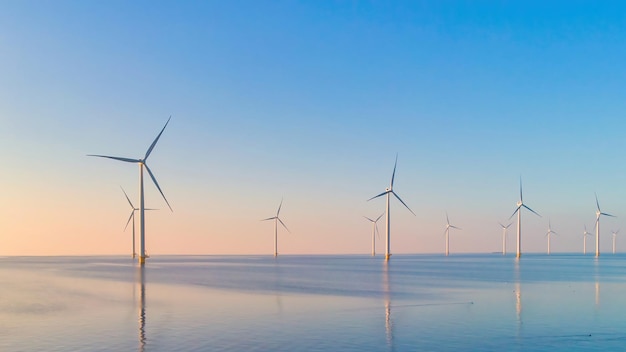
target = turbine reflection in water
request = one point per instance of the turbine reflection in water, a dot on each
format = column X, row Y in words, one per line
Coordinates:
column 387, row 298
column 142, row 308
column 518, row 297
column 597, row 281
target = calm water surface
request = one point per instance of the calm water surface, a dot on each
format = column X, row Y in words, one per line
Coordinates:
column 314, row 303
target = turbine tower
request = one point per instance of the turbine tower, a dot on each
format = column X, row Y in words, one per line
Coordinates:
column 585, row 234
column 504, row 230
column 388, row 192
column 142, row 164
column 448, row 227
column 520, row 205
column 614, row 235
column 132, row 217
column 276, row 221
column 550, row 232
column 374, row 232
column 599, row 213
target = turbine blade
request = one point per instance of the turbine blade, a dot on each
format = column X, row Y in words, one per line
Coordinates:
column 454, row 227
column 525, row 206
column 128, row 160
column 613, row 216
column 377, row 232
column 507, row 226
column 515, row 212
column 378, row 218
column 504, row 227
column 403, row 203
column 597, row 203
column 394, row 171
column 382, row 194
column 521, row 196
column 447, row 220
column 132, row 215
column 148, row 209
column 279, row 206
column 369, row 219
column 128, row 199
column 156, row 140
column 157, row 185
column 272, row 218
column 282, row 223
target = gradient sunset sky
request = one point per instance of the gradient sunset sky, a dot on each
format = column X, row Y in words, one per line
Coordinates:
column 310, row 101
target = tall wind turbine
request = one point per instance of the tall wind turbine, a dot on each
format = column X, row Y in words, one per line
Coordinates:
column 374, row 232
column 550, row 232
column 614, row 235
column 504, row 230
column 142, row 164
column 597, row 226
column 448, row 227
column 388, row 192
column 276, row 221
column 132, row 217
column 520, row 205
column 585, row 234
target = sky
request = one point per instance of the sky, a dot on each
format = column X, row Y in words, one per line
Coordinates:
column 309, row 102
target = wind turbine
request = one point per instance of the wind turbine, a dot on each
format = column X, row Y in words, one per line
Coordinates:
column 374, row 232
column 276, row 221
column 504, row 230
column 448, row 227
column 142, row 164
column 132, row 217
column 585, row 234
column 387, row 192
column 614, row 235
column 520, row 205
column 550, row 232
column 597, row 226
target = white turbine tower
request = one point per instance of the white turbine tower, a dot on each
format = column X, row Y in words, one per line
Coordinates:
column 504, row 230
column 599, row 213
column 276, row 221
column 585, row 234
column 132, row 217
column 550, row 232
column 520, row 205
column 448, row 227
column 374, row 232
column 142, row 164
column 387, row 192
column 614, row 235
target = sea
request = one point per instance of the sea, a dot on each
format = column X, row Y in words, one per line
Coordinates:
column 473, row 302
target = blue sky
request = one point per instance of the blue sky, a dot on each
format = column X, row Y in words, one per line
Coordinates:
column 309, row 101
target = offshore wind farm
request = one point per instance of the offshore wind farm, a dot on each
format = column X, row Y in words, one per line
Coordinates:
column 508, row 118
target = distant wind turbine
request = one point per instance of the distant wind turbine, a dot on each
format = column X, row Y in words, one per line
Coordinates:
column 276, row 221
column 374, row 232
column 448, row 227
column 550, row 232
column 132, row 217
column 504, row 230
column 585, row 234
column 142, row 164
column 520, row 205
column 387, row 192
column 599, row 213
column 614, row 235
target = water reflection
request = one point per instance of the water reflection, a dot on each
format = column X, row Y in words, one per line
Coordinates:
column 518, row 297
column 597, row 281
column 387, row 298
column 142, row 308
